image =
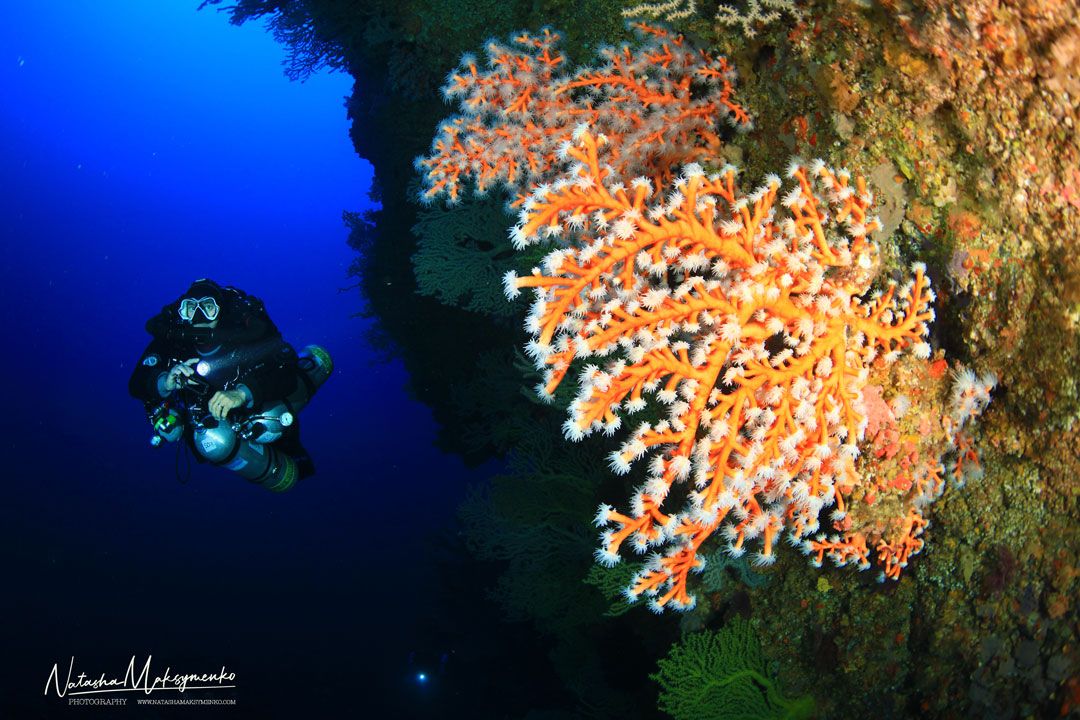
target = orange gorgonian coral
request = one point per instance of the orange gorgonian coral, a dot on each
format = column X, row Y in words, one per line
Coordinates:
column 745, row 320
column 661, row 101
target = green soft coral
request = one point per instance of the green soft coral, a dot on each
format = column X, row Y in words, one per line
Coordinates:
column 611, row 582
column 724, row 676
column 462, row 254
column 721, row 567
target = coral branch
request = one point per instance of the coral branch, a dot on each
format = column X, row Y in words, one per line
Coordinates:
column 742, row 317
column 661, row 101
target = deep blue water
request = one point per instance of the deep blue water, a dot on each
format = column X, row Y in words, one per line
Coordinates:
column 143, row 145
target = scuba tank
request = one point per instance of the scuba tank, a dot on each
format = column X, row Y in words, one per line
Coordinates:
column 244, row 446
column 260, row 463
column 315, row 367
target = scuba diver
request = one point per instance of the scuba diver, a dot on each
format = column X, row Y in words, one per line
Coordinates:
column 219, row 377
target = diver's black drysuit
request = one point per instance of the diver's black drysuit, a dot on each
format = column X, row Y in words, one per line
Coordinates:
column 242, row 322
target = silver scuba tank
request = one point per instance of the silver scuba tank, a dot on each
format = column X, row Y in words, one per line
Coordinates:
column 251, row 454
column 268, row 425
column 258, row 462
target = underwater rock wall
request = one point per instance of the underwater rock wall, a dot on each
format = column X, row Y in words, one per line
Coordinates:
column 964, row 119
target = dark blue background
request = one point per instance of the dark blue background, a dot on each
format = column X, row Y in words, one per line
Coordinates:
column 143, row 145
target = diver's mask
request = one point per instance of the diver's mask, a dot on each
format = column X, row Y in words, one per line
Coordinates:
column 207, row 306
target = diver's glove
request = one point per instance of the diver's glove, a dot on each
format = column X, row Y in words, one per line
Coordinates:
column 225, row 401
column 174, row 379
